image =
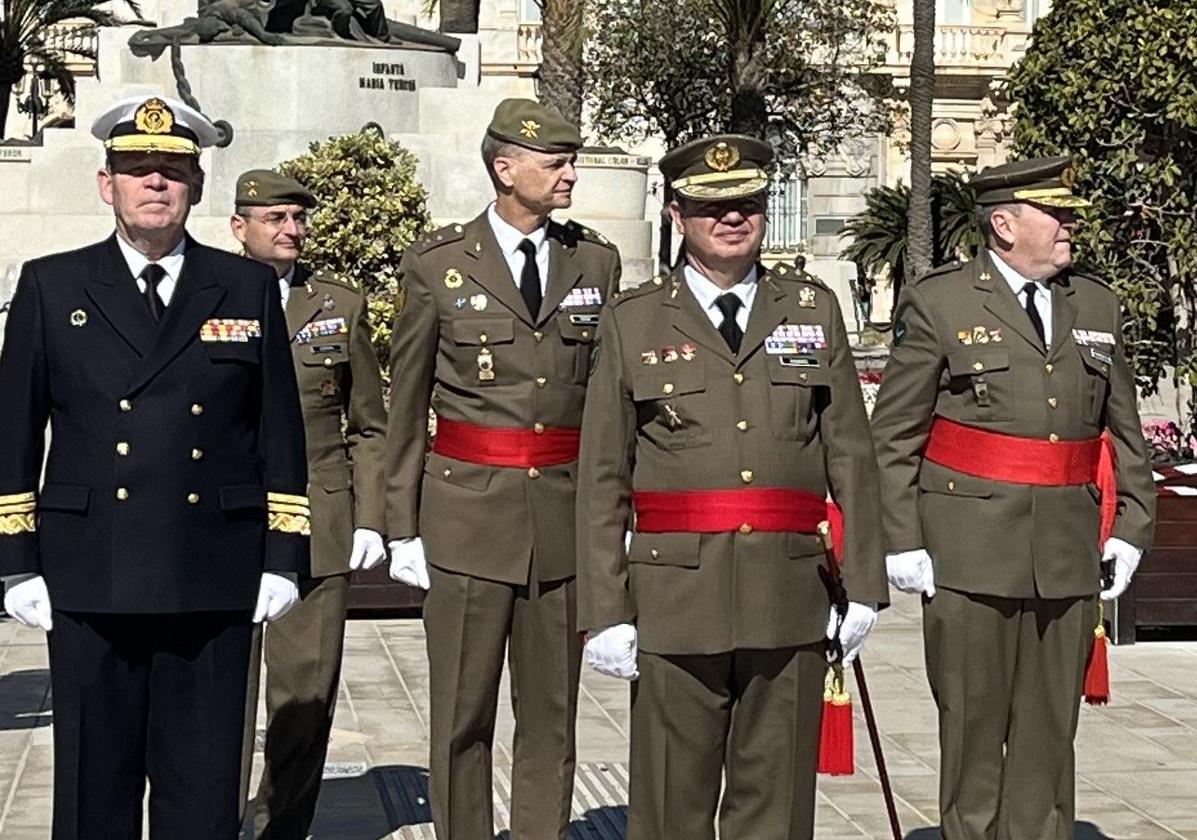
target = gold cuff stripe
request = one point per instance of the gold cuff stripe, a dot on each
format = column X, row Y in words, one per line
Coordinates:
column 17, row 523
column 719, row 177
column 290, row 523
column 298, row 510
column 146, row 143
column 24, row 507
column 18, row 498
column 288, row 499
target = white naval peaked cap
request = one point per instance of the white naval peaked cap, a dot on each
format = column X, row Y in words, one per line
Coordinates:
column 154, row 124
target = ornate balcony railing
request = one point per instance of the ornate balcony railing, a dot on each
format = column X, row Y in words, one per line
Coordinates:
column 964, row 46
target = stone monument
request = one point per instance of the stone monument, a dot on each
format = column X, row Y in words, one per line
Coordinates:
column 280, row 74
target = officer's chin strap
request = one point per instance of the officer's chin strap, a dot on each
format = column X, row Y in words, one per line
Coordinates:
column 836, row 747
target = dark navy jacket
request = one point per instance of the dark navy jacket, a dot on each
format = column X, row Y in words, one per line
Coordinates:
column 176, row 472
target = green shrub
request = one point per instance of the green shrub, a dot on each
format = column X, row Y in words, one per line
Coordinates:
column 371, row 209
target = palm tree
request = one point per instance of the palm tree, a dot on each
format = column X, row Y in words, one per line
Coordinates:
column 561, row 56
column 922, row 98
column 26, row 27
column 745, row 21
column 879, row 235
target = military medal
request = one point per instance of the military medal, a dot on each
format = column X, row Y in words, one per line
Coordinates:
column 995, row 335
column 478, row 302
column 980, row 335
column 486, row 365
column 78, row 318
column 674, row 420
column 453, row 279
column 648, row 357
column 329, row 303
column 459, row 303
column 328, row 388
column 964, row 337
column 668, row 354
column 688, row 351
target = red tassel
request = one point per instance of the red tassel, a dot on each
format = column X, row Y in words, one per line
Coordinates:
column 1097, row 670
column 836, row 748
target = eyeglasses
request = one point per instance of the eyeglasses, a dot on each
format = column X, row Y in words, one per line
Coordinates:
column 275, row 219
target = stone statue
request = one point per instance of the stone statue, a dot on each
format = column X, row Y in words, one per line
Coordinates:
column 294, row 22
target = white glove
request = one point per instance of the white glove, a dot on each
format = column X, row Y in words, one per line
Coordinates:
column 612, row 651
column 408, row 564
column 910, row 571
column 276, row 595
column 368, row 550
column 1126, row 560
column 27, row 600
column 858, row 623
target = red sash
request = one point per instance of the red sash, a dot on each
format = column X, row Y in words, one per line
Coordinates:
column 505, row 447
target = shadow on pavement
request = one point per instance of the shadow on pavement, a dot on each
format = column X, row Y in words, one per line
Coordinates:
column 24, row 702
column 1083, row 831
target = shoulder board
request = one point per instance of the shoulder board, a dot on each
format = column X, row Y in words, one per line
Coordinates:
column 655, row 284
column 574, row 233
column 437, row 238
column 1097, row 281
column 336, row 278
column 940, row 271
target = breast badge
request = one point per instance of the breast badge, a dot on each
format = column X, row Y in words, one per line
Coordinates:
column 79, row 318
column 453, row 279
column 486, row 365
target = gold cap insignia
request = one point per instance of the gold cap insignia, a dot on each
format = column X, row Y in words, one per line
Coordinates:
column 154, row 117
column 78, row 318
column 1068, row 177
column 251, row 188
column 529, row 128
column 722, row 156
column 452, row 278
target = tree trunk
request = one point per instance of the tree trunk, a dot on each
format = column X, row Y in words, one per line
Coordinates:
column 749, row 114
column 459, row 16
column 919, row 245
column 5, row 96
column 561, row 61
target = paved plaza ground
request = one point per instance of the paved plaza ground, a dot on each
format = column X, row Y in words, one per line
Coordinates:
column 1137, row 757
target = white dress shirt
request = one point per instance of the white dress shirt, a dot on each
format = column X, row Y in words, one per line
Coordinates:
column 509, row 239
column 172, row 264
column 284, row 284
column 1043, row 295
column 707, row 292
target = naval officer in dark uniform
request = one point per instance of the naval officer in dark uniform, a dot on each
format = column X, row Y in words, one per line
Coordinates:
column 173, row 512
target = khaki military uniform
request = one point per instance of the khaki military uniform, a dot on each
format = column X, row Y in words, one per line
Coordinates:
column 1016, row 566
column 499, row 540
column 340, row 388
column 731, row 625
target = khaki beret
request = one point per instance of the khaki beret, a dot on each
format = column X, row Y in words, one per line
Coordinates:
column 534, row 126
column 266, row 188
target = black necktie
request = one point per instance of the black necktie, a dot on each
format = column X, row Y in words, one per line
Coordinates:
column 152, row 274
column 1033, row 311
column 530, row 279
column 729, row 304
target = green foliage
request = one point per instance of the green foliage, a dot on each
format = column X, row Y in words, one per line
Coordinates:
column 1115, row 85
column 371, row 209
column 879, row 232
column 672, row 69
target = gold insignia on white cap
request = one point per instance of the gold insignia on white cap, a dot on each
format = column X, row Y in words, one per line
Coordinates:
column 154, row 124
